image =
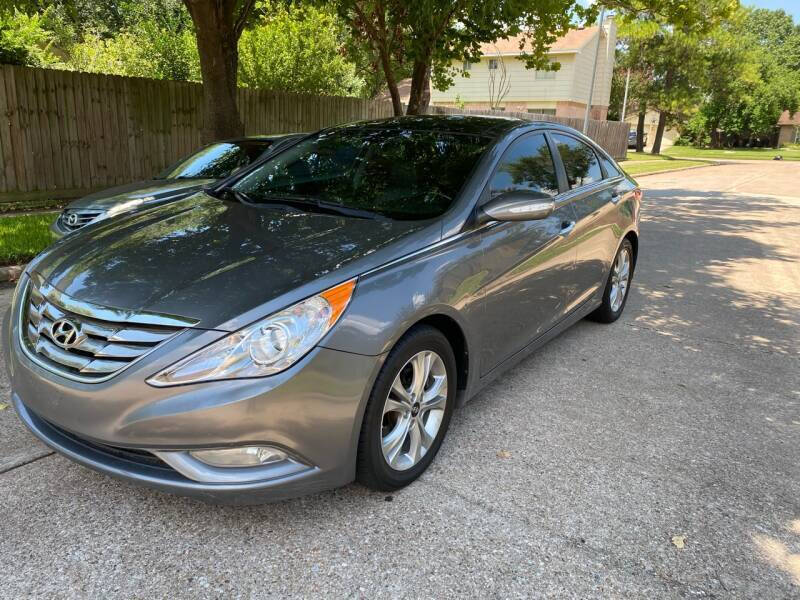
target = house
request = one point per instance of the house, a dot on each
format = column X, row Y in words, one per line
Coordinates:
column 789, row 128
column 562, row 93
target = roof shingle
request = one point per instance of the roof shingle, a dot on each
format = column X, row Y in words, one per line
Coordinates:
column 573, row 40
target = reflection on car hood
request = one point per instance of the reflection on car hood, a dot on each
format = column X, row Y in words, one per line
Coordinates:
column 147, row 191
column 212, row 260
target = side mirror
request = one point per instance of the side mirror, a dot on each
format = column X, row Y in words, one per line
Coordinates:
column 517, row 205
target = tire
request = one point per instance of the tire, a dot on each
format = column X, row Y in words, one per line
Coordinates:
column 611, row 308
column 384, row 461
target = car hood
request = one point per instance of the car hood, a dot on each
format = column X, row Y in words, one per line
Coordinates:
column 221, row 263
column 145, row 192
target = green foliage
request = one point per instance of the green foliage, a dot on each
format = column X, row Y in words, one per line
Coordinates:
column 144, row 51
column 298, row 50
column 24, row 40
column 725, row 83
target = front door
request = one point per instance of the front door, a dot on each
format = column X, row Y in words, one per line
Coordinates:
column 528, row 263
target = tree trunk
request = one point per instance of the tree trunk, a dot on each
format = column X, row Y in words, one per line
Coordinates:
column 391, row 82
column 715, row 137
column 419, row 79
column 217, row 46
column 662, row 122
column 640, row 131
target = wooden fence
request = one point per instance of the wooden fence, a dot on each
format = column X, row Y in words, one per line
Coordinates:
column 612, row 136
column 65, row 133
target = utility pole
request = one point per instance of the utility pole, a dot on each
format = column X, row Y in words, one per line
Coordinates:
column 625, row 95
column 594, row 69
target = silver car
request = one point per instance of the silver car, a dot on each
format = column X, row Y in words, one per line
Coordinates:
column 186, row 176
column 316, row 319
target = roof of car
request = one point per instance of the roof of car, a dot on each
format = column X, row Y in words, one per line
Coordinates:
column 467, row 124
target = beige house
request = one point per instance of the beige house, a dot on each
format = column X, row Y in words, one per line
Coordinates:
column 789, row 128
column 561, row 93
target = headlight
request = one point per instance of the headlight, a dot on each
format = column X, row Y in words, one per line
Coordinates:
column 266, row 347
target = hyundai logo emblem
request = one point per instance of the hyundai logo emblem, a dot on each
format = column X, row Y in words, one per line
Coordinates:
column 66, row 334
column 72, row 219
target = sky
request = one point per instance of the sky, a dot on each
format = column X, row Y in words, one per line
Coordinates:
column 790, row 6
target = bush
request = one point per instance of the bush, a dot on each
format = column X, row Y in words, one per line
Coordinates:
column 24, row 40
column 694, row 132
column 297, row 50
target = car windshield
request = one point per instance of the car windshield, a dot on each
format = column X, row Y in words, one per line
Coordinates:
column 396, row 172
column 216, row 161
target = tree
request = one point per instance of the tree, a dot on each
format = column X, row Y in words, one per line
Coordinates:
column 499, row 83
column 429, row 35
column 218, row 27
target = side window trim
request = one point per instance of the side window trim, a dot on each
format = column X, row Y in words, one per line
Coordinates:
column 561, row 173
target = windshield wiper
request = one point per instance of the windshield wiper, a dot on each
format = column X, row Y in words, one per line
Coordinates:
column 306, row 202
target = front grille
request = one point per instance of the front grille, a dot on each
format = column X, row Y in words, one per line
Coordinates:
column 72, row 219
column 84, row 341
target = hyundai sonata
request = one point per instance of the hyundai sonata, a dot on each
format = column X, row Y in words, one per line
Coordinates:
column 316, row 318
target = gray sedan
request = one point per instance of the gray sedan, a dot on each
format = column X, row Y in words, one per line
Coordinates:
column 201, row 168
column 316, row 318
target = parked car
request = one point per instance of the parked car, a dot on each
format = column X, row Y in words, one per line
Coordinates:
column 316, row 318
column 632, row 139
column 203, row 167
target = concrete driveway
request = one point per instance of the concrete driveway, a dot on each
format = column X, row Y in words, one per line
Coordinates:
column 579, row 474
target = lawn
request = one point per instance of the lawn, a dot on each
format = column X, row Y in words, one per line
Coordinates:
column 634, row 156
column 644, row 168
column 791, row 152
column 23, row 236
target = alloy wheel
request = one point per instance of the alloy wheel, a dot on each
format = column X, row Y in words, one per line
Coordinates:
column 620, row 278
column 413, row 411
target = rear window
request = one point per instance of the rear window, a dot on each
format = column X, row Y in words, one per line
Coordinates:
column 400, row 173
column 580, row 161
column 611, row 169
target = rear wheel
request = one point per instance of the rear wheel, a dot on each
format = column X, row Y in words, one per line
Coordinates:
column 617, row 286
column 408, row 411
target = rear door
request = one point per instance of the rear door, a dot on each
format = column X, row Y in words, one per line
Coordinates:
column 594, row 202
column 528, row 264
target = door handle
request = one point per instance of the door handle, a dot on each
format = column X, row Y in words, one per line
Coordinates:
column 566, row 228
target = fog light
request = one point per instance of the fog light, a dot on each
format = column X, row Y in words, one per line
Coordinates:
column 244, row 456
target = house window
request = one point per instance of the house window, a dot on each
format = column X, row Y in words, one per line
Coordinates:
column 545, row 75
column 467, row 66
column 493, row 64
column 543, row 111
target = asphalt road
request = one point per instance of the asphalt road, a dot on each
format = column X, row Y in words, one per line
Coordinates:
column 679, row 423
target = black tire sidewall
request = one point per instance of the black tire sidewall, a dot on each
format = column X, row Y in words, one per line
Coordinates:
column 372, row 469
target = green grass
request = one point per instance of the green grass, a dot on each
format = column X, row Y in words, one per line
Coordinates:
column 23, row 236
column 791, row 152
column 645, row 168
column 634, row 156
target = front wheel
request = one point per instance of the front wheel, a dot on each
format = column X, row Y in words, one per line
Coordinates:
column 617, row 286
column 408, row 411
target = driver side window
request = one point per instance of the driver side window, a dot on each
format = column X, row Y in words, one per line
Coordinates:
column 526, row 165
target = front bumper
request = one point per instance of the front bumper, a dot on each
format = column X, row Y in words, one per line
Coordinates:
column 313, row 411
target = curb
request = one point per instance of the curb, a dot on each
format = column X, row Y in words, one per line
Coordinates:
column 11, row 273
column 711, row 164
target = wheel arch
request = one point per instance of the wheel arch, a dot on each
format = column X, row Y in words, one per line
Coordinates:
column 633, row 237
column 456, row 335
